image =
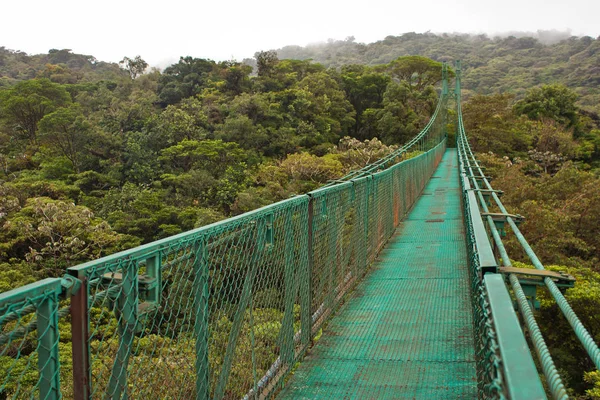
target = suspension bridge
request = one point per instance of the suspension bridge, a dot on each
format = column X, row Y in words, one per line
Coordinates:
column 390, row 283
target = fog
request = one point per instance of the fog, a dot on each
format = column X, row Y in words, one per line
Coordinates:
column 161, row 32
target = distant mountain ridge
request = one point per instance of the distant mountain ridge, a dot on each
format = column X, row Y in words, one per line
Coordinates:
column 499, row 64
column 490, row 65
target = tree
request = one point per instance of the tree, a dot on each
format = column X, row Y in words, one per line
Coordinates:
column 354, row 154
column 54, row 234
column 135, row 66
column 210, row 155
column 556, row 102
column 307, row 167
column 26, row 103
column 318, row 99
column 236, row 76
column 266, row 62
column 417, row 71
column 364, row 88
column 184, row 79
column 397, row 122
column 492, row 125
column 66, row 131
column 144, row 212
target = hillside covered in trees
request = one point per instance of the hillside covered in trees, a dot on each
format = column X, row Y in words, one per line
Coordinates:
column 96, row 157
column 491, row 65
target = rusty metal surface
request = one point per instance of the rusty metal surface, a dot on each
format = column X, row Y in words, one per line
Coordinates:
column 406, row 331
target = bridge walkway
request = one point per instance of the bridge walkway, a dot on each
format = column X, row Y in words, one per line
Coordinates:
column 406, row 330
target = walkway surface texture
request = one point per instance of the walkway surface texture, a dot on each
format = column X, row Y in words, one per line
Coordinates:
column 406, row 330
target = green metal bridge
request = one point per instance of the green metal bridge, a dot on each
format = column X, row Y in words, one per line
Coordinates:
column 390, row 283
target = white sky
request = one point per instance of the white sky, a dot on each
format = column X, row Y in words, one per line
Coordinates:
column 226, row 29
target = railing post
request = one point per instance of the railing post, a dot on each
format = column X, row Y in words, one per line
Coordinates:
column 47, row 335
column 153, row 270
column 356, row 239
column 306, row 289
column 126, row 312
column 331, row 262
column 369, row 247
column 80, row 340
column 287, row 325
column 390, row 220
column 244, row 302
column 201, row 293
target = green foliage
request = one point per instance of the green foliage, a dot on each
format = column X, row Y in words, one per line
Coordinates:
column 493, row 126
column 135, row 66
column 593, row 378
column 52, row 235
column 556, row 102
column 26, row 103
column 141, row 156
column 184, row 79
column 571, row 358
column 490, row 65
column 67, row 132
column 419, row 72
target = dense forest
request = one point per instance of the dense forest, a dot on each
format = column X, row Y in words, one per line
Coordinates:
column 511, row 64
column 97, row 157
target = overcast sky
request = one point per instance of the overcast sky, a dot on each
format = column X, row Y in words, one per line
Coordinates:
column 226, row 29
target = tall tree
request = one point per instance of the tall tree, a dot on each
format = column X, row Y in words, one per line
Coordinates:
column 551, row 101
column 418, row 71
column 266, row 61
column 135, row 66
column 26, row 103
column 184, row 79
column 68, row 132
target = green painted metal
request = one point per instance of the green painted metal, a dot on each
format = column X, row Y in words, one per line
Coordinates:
column 201, row 321
column 430, row 136
column 126, row 313
column 557, row 387
column 245, row 299
column 47, row 338
column 30, row 314
column 226, row 310
column 522, row 379
column 406, row 331
column 482, row 185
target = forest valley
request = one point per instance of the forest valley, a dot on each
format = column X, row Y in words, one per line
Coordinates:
column 97, row 157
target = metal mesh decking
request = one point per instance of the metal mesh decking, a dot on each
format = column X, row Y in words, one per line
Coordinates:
column 406, row 332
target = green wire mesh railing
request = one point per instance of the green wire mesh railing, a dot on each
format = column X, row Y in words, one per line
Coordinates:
column 491, row 371
column 429, row 137
column 29, row 347
column 223, row 311
column 490, row 381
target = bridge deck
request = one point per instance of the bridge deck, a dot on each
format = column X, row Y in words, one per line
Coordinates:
column 406, row 331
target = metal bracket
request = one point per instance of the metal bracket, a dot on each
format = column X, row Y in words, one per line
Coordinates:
column 530, row 279
column 487, row 194
column 70, row 285
column 538, row 275
column 488, row 191
column 500, row 219
column 269, row 233
column 145, row 284
column 479, row 177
